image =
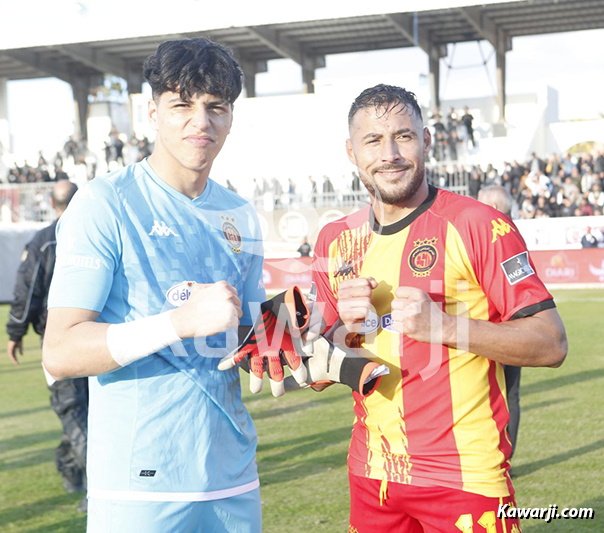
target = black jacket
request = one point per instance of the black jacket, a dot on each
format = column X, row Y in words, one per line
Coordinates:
column 33, row 282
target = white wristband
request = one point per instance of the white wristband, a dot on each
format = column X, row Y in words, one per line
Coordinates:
column 134, row 340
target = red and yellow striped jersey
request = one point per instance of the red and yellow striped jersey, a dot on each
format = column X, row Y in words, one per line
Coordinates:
column 439, row 418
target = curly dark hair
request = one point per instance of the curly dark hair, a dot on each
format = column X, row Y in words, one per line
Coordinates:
column 385, row 97
column 192, row 65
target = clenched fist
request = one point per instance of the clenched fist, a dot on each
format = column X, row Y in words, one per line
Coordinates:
column 211, row 309
column 417, row 316
column 354, row 302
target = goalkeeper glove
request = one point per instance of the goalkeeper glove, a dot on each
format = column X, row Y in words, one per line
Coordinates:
column 332, row 363
column 273, row 341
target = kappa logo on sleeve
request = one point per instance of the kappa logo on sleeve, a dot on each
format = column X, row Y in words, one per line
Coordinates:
column 500, row 229
column 517, row 268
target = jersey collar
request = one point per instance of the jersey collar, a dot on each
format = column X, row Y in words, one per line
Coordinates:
column 172, row 191
column 391, row 229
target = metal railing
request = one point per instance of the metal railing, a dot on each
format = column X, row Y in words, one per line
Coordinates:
column 30, row 202
column 26, row 202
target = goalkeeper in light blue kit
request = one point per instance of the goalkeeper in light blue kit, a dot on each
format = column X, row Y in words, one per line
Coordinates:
column 157, row 266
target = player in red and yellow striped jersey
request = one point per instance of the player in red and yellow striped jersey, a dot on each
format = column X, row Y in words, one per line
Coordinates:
column 441, row 289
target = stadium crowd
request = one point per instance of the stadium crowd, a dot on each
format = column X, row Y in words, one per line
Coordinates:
column 77, row 163
column 555, row 187
column 558, row 186
column 452, row 134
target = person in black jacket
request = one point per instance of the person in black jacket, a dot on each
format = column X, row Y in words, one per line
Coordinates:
column 69, row 398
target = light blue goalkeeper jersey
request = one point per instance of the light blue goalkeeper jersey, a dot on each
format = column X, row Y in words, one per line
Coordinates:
column 170, row 426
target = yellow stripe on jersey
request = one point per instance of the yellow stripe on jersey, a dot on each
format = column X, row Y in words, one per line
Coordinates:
column 479, row 452
column 388, row 436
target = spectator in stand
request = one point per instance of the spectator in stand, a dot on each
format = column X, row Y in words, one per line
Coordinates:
column 553, row 207
column 568, row 208
column 313, row 190
column 507, row 183
column 596, row 196
column 452, row 142
column 57, row 161
column 277, row 191
column 467, row 120
column 527, row 209
column 144, row 148
column 453, row 121
column 230, row 186
column 592, row 238
column 536, row 164
column 585, row 208
column 491, row 176
column 552, row 167
column 305, row 248
column 599, row 165
column 356, row 182
column 571, row 190
column 588, row 179
column 60, row 174
column 328, row 188
column 475, row 184
column 544, row 206
column 567, row 165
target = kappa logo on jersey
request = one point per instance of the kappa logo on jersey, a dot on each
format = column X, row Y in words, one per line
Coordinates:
column 500, row 229
column 178, row 294
column 517, row 268
column 161, row 229
column 423, row 257
column 231, row 233
column 345, row 269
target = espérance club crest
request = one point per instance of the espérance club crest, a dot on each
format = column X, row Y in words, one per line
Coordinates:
column 231, row 233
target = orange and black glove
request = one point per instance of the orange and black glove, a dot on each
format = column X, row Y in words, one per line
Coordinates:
column 273, row 341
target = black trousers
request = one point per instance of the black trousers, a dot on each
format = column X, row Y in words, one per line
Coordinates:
column 69, row 400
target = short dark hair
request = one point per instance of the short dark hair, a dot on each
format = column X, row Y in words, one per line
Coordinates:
column 191, row 65
column 385, row 97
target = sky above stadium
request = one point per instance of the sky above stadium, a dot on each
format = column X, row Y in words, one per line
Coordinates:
column 572, row 63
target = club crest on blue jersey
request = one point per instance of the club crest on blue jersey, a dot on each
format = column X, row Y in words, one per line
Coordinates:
column 178, row 294
column 231, row 233
column 423, row 257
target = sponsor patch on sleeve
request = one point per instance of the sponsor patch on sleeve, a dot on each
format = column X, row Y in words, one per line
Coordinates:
column 517, row 268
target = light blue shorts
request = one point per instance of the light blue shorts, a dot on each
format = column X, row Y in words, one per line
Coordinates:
column 238, row 514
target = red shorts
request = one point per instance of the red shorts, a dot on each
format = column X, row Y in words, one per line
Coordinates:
column 398, row 508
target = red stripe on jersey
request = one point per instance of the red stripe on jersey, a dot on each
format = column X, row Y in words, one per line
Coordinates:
column 427, row 402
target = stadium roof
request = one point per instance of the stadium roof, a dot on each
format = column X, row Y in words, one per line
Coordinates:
column 298, row 37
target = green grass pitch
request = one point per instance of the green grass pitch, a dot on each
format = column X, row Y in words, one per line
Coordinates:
column 303, row 438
